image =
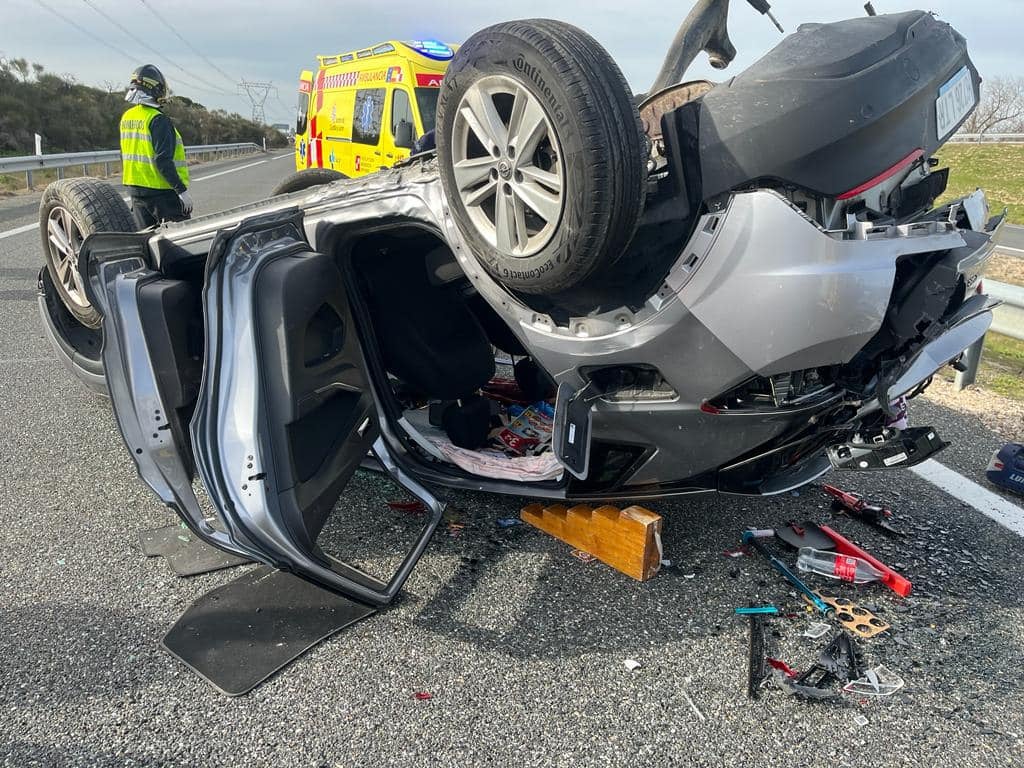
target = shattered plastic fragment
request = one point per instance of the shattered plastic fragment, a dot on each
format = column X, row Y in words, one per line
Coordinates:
column 782, row 666
column 508, row 522
column 586, row 557
column 631, row 664
column 878, row 681
column 422, row 696
column 816, row 630
column 860, row 720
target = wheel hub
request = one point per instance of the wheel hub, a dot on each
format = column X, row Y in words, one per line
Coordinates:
column 507, row 165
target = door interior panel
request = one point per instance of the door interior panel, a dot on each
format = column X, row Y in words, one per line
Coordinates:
column 315, row 392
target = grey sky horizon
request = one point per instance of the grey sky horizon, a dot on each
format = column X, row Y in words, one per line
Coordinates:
column 274, row 42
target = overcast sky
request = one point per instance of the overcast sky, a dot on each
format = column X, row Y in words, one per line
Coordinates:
column 228, row 40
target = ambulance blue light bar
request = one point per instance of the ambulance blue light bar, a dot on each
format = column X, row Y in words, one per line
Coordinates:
column 432, row 49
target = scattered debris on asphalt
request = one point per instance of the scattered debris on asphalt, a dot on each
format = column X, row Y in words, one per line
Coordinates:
column 693, row 707
column 508, row 522
column 585, row 557
column 816, row 630
column 632, row 665
column 878, row 681
column 422, row 696
column 857, row 507
column 860, row 721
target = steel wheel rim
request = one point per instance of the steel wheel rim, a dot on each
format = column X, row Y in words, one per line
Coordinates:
column 507, row 166
column 65, row 240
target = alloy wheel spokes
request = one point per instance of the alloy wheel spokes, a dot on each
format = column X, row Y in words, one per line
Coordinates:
column 65, row 240
column 507, row 166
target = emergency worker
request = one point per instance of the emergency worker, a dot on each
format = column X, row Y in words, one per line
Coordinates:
column 153, row 163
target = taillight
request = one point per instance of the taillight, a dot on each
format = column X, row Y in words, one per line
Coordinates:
column 889, row 173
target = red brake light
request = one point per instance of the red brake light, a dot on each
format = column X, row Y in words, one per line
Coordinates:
column 917, row 153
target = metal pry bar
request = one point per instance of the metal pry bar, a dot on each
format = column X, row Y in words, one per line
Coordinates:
column 750, row 538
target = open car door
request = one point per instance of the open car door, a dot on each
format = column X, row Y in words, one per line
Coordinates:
column 283, row 412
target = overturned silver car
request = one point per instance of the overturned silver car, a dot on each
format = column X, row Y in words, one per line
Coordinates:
column 720, row 288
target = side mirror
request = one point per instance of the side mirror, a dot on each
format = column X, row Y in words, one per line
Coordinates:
column 404, row 135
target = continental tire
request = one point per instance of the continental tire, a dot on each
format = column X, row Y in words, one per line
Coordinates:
column 542, row 157
column 69, row 211
column 306, row 178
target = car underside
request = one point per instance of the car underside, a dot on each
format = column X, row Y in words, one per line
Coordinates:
column 752, row 328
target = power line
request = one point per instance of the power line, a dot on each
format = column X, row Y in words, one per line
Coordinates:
column 84, row 31
column 132, row 36
column 97, row 38
column 177, row 34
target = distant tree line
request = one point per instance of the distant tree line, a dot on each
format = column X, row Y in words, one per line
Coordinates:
column 72, row 117
column 1001, row 109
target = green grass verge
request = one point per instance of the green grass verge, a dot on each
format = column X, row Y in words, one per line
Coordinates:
column 996, row 168
column 1002, row 367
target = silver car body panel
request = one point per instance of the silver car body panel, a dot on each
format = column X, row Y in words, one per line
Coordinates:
column 758, row 289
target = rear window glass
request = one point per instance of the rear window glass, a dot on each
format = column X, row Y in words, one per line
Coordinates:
column 301, row 113
column 426, row 101
column 366, row 117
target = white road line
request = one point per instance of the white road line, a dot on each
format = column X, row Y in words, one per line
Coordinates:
column 992, row 505
column 229, row 170
column 18, row 230
column 30, row 227
column 286, row 154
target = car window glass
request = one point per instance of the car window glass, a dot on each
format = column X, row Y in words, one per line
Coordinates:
column 401, row 111
column 366, row 117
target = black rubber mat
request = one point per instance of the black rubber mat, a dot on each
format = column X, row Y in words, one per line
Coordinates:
column 187, row 555
column 238, row 635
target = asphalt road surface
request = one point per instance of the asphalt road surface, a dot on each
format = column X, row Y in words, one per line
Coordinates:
column 520, row 645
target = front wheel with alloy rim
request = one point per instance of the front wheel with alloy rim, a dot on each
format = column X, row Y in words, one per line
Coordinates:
column 542, row 155
column 69, row 211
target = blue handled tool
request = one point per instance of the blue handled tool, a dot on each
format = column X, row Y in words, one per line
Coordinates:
column 750, row 538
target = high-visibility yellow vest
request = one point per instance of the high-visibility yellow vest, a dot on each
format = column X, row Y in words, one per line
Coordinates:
column 138, row 159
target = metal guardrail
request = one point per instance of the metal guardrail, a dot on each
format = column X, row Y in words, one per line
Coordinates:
column 982, row 138
column 28, row 163
column 1007, row 319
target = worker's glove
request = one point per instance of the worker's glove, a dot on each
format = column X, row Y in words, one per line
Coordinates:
column 186, row 203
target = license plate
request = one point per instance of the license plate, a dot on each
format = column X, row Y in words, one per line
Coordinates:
column 956, row 99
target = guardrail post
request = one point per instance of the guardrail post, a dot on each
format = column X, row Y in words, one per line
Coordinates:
column 106, row 169
column 85, row 169
column 971, row 360
column 28, row 180
column 60, row 172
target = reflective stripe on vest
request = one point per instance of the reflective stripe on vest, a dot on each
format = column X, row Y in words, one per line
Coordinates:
column 138, row 158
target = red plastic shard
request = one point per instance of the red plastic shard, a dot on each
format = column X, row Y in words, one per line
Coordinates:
column 782, row 666
column 412, row 507
column 422, row 696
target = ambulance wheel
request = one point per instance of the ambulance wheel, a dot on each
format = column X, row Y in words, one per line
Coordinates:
column 306, row 178
column 69, row 211
column 542, row 155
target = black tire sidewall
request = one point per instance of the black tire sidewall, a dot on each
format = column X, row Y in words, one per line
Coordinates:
column 560, row 259
column 306, row 178
column 92, row 205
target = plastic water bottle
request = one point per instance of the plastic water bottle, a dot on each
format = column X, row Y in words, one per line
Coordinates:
column 836, row 566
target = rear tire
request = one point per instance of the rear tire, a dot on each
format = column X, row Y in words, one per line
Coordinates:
column 306, row 178
column 542, row 156
column 69, row 211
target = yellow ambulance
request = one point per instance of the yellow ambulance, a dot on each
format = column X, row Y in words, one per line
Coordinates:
column 362, row 111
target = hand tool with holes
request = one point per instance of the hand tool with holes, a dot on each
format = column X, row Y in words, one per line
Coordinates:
column 750, row 537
